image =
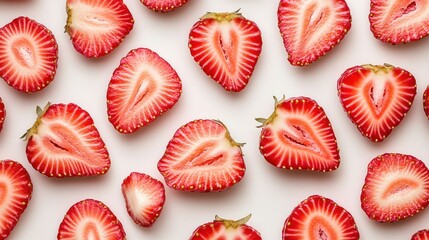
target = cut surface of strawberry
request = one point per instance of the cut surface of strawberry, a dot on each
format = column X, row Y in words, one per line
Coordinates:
column 298, row 135
column 63, row 142
column 163, row 5
column 399, row 21
column 318, row 217
column 90, row 219
column 426, row 101
column 144, row 198
column 143, row 87
column 226, row 230
column 202, row 157
column 421, row 235
column 376, row 98
column 310, row 28
column 396, row 187
column 97, row 27
column 15, row 193
column 28, row 55
column 2, row 114
column 227, row 47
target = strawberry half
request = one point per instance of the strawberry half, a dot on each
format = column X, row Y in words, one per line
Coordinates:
column 298, row 135
column 28, row 55
column 144, row 197
column 394, row 21
column 421, row 235
column 202, row 157
column 90, row 219
column 396, row 187
column 376, row 98
column 318, row 217
column 227, row 47
column 226, row 230
column 2, row 114
column 143, row 87
column 15, row 193
column 63, row 142
column 163, row 5
column 310, row 28
column 97, row 27
column 426, row 101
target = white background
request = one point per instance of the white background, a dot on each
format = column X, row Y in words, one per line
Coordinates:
column 267, row 192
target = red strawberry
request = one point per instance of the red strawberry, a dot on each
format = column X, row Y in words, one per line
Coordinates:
column 28, row 55
column 226, row 230
column 144, row 197
column 202, row 157
column 227, row 47
column 376, row 98
column 310, row 28
column 421, row 235
column 163, row 5
column 298, row 135
column 318, row 217
column 143, row 87
column 2, row 114
column 90, row 219
column 396, row 187
column 97, row 27
column 63, row 142
column 394, row 21
column 426, row 101
column 15, row 193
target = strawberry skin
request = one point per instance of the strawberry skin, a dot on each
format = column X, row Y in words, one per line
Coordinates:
column 97, row 27
column 318, row 217
column 142, row 88
column 298, row 135
column 2, row 114
column 16, row 190
column 311, row 28
column 226, row 230
column 227, row 47
column 144, row 198
column 202, row 157
column 396, row 187
column 64, row 142
column 28, row 55
column 421, row 235
column 376, row 98
column 426, row 101
column 399, row 21
column 90, row 219
column 163, row 5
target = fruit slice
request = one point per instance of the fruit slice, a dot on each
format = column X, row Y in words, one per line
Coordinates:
column 144, row 197
column 310, row 28
column 376, row 98
column 15, row 193
column 298, row 135
column 399, row 21
column 2, row 114
column 163, row 5
column 90, row 219
column 226, row 230
column 28, row 55
column 97, row 27
column 421, row 235
column 143, row 87
column 396, row 187
column 426, row 101
column 63, row 142
column 227, row 47
column 318, row 217
column 202, row 157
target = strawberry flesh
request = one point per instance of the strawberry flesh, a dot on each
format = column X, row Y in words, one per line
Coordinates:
column 426, row 101
column 396, row 187
column 163, row 5
column 421, row 235
column 2, row 114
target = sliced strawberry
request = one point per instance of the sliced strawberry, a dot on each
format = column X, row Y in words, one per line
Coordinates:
column 376, row 98
column 97, row 27
column 310, row 28
column 396, row 187
column 399, row 21
column 144, row 197
column 202, row 157
column 318, row 217
column 226, row 230
column 64, row 142
column 421, row 235
column 143, row 87
column 227, row 47
column 28, row 55
column 426, row 101
column 298, row 135
column 90, row 219
column 15, row 193
column 163, row 5
column 2, row 114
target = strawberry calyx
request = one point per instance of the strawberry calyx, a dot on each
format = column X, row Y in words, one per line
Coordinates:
column 270, row 119
column 33, row 130
column 233, row 223
column 69, row 20
column 386, row 68
column 228, row 135
column 222, row 16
